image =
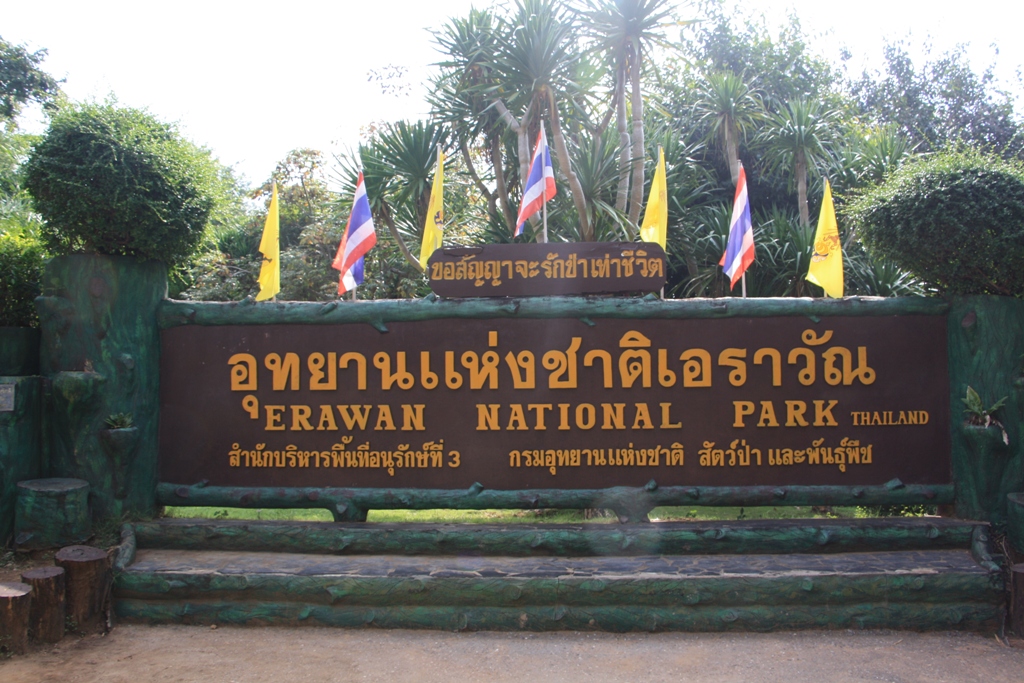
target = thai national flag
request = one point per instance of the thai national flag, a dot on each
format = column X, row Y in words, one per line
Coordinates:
column 739, row 252
column 358, row 239
column 540, row 183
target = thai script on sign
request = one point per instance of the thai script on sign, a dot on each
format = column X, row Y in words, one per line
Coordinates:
column 430, row 455
column 635, row 364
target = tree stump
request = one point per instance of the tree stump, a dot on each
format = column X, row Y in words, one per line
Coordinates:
column 88, row 582
column 46, row 618
column 15, row 602
column 1017, row 599
column 51, row 513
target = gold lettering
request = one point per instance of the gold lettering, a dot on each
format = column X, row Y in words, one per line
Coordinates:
column 795, row 414
column 613, row 416
column 251, row 405
column 384, row 418
column 412, row 417
column 300, row 418
column 319, row 380
column 563, row 416
column 666, row 419
column 274, row 418
column 741, row 409
column 327, row 420
column 734, row 358
column 642, row 419
column 538, row 411
column 283, row 370
column 243, row 372
column 586, row 416
column 517, row 419
column 823, row 415
column 767, row 417
column 357, row 418
column 487, row 417
column 427, row 378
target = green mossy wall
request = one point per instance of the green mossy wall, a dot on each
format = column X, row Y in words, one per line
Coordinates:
column 20, row 448
column 100, row 355
column 986, row 352
column 19, row 351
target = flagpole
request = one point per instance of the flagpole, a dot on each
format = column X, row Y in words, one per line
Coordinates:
column 544, row 211
column 744, row 279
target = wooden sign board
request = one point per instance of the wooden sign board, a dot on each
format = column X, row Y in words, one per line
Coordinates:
column 558, row 403
column 551, row 269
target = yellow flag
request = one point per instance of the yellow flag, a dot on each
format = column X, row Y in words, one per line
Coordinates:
column 432, row 234
column 826, row 268
column 270, row 247
column 655, row 225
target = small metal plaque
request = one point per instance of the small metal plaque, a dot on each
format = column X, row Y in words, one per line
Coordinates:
column 6, row 398
column 553, row 269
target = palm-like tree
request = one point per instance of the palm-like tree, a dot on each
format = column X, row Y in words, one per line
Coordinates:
column 731, row 110
column 796, row 139
column 398, row 164
column 625, row 31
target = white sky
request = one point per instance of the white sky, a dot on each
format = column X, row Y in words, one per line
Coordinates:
column 253, row 80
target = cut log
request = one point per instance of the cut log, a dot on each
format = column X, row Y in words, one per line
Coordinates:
column 51, row 513
column 15, row 602
column 88, row 582
column 1017, row 599
column 46, row 618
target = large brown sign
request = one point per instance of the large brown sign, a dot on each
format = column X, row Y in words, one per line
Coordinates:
column 547, row 269
column 529, row 403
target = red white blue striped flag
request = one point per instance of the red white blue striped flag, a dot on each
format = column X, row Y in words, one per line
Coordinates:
column 540, row 182
column 358, row 239
column 739, row 252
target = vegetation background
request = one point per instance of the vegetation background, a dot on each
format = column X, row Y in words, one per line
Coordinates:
column 613, row 80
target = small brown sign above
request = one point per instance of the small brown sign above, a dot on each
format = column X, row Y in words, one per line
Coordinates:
column 563, row 268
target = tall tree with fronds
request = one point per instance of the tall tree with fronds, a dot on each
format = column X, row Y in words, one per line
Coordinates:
column 795, row 139
column 730, row 110
column 625, row 31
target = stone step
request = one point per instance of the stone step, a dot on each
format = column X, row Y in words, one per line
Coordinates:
column 664, row 538
column 935, row 589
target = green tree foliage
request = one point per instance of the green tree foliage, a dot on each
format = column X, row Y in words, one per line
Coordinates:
column 955, row 219
column 21, row 270
column 114, row 180
column 22, row 80
column 942, row 102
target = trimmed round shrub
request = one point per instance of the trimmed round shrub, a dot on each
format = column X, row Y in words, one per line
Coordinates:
column 21, row 271
column 116, row 181
column 954, row 219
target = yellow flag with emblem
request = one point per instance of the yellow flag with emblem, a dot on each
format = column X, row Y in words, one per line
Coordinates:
column 655, row 225
column 432, row 231
column 270, row 247
column 826, row 269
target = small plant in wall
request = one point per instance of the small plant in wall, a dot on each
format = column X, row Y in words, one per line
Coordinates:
column 979, row 415
column 120, row 421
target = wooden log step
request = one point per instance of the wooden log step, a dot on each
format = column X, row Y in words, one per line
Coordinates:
column 619, row 618
column 47, row 616
column 88, row 581
column 932, row 577
column 667, row 538
column 15, row 603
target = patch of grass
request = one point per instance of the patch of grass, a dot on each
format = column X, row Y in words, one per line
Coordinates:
column 682, row 514
column 442, row 516
column 293, row 515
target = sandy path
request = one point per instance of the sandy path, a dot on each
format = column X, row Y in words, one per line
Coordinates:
column 182, row 654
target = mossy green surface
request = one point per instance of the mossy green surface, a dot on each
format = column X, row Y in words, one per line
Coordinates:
column 100, row 353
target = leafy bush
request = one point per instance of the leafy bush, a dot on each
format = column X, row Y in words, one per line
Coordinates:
column 955, row 220
column 113, row 180
column 21, row 269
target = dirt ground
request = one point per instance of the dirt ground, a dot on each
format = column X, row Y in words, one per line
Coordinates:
column 183, row 654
